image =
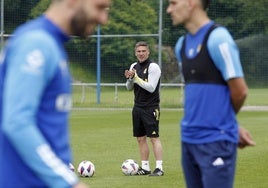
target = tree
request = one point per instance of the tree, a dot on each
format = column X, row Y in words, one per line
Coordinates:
column 254, row 56
column 226, row 13
column 117, row 53
column 254, row 16
column 40, row 7
column 126, row 17
column 16, row 12
column 243, row 18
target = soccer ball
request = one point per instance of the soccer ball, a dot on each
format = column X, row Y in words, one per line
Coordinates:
column 86, row 169
column 130, row 167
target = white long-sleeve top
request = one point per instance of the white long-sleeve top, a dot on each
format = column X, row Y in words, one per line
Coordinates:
column 154, row 73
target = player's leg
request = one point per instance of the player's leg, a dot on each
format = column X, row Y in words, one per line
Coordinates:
column 144, row 154
column 158, row 153
column 140, row 133
column 143, row 148
column 151, row 121
column 157, row 148
column 191, row 171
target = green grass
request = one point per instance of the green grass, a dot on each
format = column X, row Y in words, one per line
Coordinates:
column 257, row 97
column 105, row 138
column 171, row 97
column 80, row 74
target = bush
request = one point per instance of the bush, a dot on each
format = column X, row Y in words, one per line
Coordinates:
column 254, row 58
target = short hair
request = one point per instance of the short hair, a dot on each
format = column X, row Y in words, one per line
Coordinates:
column 141, row 43
column 205, row 4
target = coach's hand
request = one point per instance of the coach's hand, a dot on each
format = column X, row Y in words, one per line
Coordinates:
column 129, row 74
column 245, row 138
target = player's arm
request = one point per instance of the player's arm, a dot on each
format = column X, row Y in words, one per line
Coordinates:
column 154, row 74
column 129, row 76
column 238, row 92
column 177, row 49
column 27, row 75
column 245, row 138
column 177, row 52
column 225, row 55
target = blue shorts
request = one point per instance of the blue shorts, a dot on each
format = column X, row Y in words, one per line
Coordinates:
column 210, row 165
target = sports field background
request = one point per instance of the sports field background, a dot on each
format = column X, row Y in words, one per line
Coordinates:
column 105, row 138
column 171, row 97
column 102, row 132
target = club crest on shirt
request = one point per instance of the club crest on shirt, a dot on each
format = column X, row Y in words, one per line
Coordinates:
column 64, row 102
column 191, row 52
column 145, row 71
column 34, row 62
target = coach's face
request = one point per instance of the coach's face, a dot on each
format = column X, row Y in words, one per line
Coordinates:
column 142, row 53
column 89, row 14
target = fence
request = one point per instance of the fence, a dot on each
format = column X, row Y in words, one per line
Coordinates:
column 106, row 62
column 116, row 95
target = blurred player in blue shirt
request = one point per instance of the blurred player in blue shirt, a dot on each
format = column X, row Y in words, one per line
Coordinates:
column 35, row 95
column 215, row 91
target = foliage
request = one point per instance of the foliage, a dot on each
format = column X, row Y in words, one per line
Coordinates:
column 39, row 8
column 122, row 21
column 253, row 60
column 225, row 12
column 139, row 18
column 254, row 13
column 243, row 18
column 16, row 12
column 170, row 33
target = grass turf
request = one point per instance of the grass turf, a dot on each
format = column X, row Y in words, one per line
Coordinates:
column 105, row 138
column 171, row 97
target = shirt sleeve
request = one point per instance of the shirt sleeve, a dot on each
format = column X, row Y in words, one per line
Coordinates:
column 225, row 53
column 177, row 52
column 178, row 47
column 154, row 74
column 130, row 82
column 30, row 67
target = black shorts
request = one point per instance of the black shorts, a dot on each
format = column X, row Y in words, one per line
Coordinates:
column 145, row 121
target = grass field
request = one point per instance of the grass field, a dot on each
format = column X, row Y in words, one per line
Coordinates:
column 105, row 138
column 171, row 97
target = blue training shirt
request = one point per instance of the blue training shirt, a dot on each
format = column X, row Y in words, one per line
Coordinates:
column 35, row 100
column 208, row 112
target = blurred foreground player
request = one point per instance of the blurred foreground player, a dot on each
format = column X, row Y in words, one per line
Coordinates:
column 35, row 95
column 215, row 91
